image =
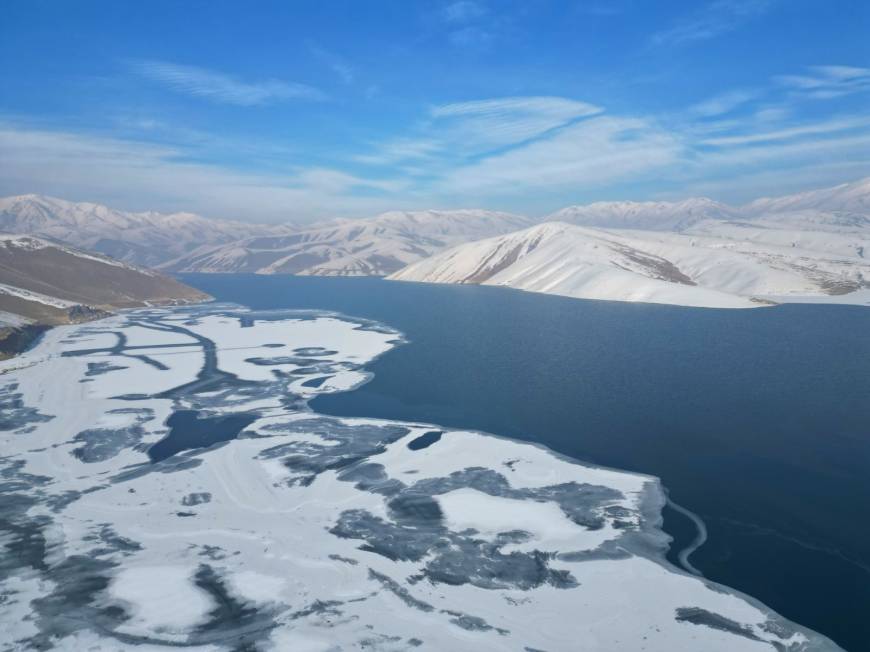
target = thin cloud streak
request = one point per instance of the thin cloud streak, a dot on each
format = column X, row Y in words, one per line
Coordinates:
column 831, row 126
column 723, row 103
column 507, row 121
column 714, row 19
column 828, row 82
column 219, row 87
column 463, row 11
column 595, row 152
column 342, row 69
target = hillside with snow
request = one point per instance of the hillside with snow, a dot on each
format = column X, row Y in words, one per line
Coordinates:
column 644, row 266
column 46, row 283
column 147, row 238
column 375, row 246
column 845, row 198
column 841, row 208
column 654, row 216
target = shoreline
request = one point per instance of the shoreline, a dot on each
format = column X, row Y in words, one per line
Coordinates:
column 15, row 340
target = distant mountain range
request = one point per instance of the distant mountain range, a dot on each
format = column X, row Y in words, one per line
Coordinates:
column 370, row 247
column 848, row 200
column 149, row 239
column 811, row 243
column 654, row 216
column 46, row 283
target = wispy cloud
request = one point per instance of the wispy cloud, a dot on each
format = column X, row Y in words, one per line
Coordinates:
column 470, row 25
column 827, row 82
column 139, row 175
column 506, row 121
column 463, row 11
column 723, row 103
column 471, row 38
column 518, row 153
column 604, row 8
column 591, row 153
column 401, row 150
column 713, row 19
column 471, row 129
column 814, row 129
column 333, row 61
column 219, row 87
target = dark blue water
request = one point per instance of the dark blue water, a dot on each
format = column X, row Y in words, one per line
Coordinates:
column 757, row 420
column 188, row 431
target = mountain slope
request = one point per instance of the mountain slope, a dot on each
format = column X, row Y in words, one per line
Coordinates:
column 654, row 216
column 691, row 270
column 839, row 208
column 45, row 283
column 836, row 234
column 147, row 239
column 847, row 197
column 368, row 247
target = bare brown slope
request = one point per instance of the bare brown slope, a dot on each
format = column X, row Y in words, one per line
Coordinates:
column 58, row 271
column 48, row 284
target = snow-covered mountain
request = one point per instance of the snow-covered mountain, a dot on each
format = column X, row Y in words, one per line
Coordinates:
column 837, row 208
column 44, row 282
column 648, row 215
column 811, row 244
column 846, row 198
column 838, row 234
column 148, row 239
column 367, row 247
column 644, row 266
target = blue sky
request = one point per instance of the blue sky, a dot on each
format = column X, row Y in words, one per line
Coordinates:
column 269, row 111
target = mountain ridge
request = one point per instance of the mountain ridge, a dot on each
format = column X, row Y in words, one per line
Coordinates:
column 375, row 246
column 644, row 266
column 144, row 238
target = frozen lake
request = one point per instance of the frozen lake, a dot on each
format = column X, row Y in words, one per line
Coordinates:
column 759, row 421
column 164, row 484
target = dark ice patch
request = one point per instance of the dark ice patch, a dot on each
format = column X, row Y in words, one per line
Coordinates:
column 416, row 529
column 368, row 476
column 100, row 368
column 425, row 440
column 75, row 603
column 700, row 616
column 110, row 542
column 315, row 382
column 400, row 591
column 14, row 414
column 582, row 503
column 452, row 558
column 313, row 351
column 189, row 430
column 472, row 561
column 234, row 622
column 196, row 499
column 343, row 445
column 101, row 444
column 415, row 510
column 472, row 623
